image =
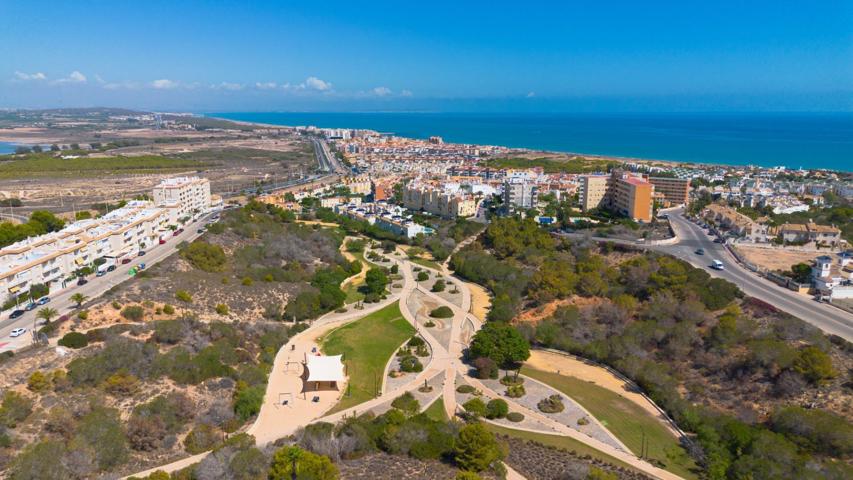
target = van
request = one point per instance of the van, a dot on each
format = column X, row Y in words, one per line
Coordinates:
column 717, row 265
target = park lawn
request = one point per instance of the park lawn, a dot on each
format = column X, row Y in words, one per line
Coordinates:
column 628, row 421
column 426, row 263
column 436, row 411
column 366, row 345
column 558, row 441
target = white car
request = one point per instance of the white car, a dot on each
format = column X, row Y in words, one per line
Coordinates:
column 18, row 332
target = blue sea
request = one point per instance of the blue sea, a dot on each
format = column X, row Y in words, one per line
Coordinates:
column 6, row 147
column 765, row 139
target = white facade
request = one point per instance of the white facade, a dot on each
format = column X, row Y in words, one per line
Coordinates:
column 188, row 196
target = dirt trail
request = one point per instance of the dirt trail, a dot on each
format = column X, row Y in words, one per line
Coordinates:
column 571, row 366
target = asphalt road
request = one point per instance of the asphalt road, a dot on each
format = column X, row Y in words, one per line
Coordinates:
column 95, row 288
column 826, row 317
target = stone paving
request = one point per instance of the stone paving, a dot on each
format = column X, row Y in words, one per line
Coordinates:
column 393, row 382
column 420, row 305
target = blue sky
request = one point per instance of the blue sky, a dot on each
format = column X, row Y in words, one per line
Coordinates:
column 446, row 56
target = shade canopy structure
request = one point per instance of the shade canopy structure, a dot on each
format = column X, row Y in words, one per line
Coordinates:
column 325, row 368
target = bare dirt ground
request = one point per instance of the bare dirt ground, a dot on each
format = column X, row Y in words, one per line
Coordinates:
column 481, row 301
column 777, row 258
column 540, row 313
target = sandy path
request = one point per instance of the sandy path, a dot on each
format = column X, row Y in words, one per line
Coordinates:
column 481, row 300
column 357, row 279
column 572, row 366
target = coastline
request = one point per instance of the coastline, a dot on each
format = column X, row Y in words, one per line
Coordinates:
column 543, row 152
column 766, row 143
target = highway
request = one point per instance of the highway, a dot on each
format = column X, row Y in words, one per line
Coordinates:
column 96, row 287
column 692, row 237
column 325, row 159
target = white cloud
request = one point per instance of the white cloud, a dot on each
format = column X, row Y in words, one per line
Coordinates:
column 120, row 85
column 382, row 91
column 29, row 76
column 315, row 83
column 99, row 79
column 164, row 84
column 229, row 86
column 406, row 93
column 73, row 77
column 531, row 94
column 265, row 85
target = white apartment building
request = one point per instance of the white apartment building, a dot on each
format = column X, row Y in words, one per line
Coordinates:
column 53, row 258
column 446, row 201
column 187, row 196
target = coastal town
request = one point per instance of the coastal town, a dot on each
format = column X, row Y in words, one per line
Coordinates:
column 494, row 302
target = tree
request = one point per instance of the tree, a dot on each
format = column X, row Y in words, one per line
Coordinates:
column 476, row 449
column 438, row 286
column 375, row 281
column 79, row 298
column 48, row 221
column 814, row 364
column 496, row 408
column 500, row 342
column 47, row 314
column 294, row 463
column 205, row 256
column 423, row 276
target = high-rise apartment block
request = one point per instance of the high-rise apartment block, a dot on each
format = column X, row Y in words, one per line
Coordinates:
column 620, row 192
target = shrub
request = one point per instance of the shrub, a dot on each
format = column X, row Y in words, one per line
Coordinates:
column 83, row 314
column 496, row 408
column 222, row 309
column 248, row 401
column 583, row 421
column 465, row 389
column 407, row 403
column 515, row 391
column 475, row 406
column 429, row 324
column 247, row 281
column 116, row 305
column 14, row 408
column 467, row 476
column 201, row 439
column 74, row 340
column 441, row 312
column 168, row 309
column 416, row 341
column 486, row 368
column 184, row 296
column 133, row 313
column 168, row 331
column 410, row 363
column 205, row 256
column 121, row 384
column 510, row 380
column 423, row 275
column 38, row 382
column 814, row 364
column 438, row 286
column 307, row 465
column 102, row 430
column 476, row 448
column 552, row 404
column 515, row 416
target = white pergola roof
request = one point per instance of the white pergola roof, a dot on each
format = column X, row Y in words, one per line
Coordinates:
column 325, row 369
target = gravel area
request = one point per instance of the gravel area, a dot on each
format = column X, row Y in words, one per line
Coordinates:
column 420, row 306
column 539, row 462
column 454, row 298
column 391, row 382
column 569, row 417
column 424, row 398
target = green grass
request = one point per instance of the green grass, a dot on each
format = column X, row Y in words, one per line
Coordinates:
column 47, row 165
column 366, row 345
column 436, row 411
column 627, row 420
column 558, row 441
column 426, row 263
column 567, row 165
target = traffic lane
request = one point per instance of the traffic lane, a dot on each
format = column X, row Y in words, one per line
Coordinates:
column 98, row 285
column 826, row 317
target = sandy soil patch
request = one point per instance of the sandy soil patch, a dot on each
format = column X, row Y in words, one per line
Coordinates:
column 572, row 366
column 540, row 313
column 481, row 301
column 777, row 258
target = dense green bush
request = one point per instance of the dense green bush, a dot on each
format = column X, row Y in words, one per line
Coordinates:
column 201, row 439
column 184, row 296
column 205, row 256
column 423, row 275
column 133, row 313
column 500, row 342
column 73, row 340
column 248, row 401
column 551, row 404
column 465, row 388
column 476, row 449
column 475, row 406
column 496, row 408
column 438, row 286
column 441, row 312
column 515, row 391
column 14, row 409
column 515, row 416
column 407, row 403
column 410, row 363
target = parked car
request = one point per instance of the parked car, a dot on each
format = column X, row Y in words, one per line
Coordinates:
column 700, row 251
column 18, row 332
column 200, row 231
column 101, row 273
column 162, row 241
column 111, row 268
column 30, row 306
column 43, row 300
column 82, row 281
column 142, row 253
column 16, row 313
column 125, row 261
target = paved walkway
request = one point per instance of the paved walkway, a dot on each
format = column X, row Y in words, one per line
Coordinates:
column 277, row 419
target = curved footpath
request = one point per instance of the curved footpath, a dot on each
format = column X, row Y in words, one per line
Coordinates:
column 277, row 420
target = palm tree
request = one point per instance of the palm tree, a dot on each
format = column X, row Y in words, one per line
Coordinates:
column 46, row 314
column 79, row 298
